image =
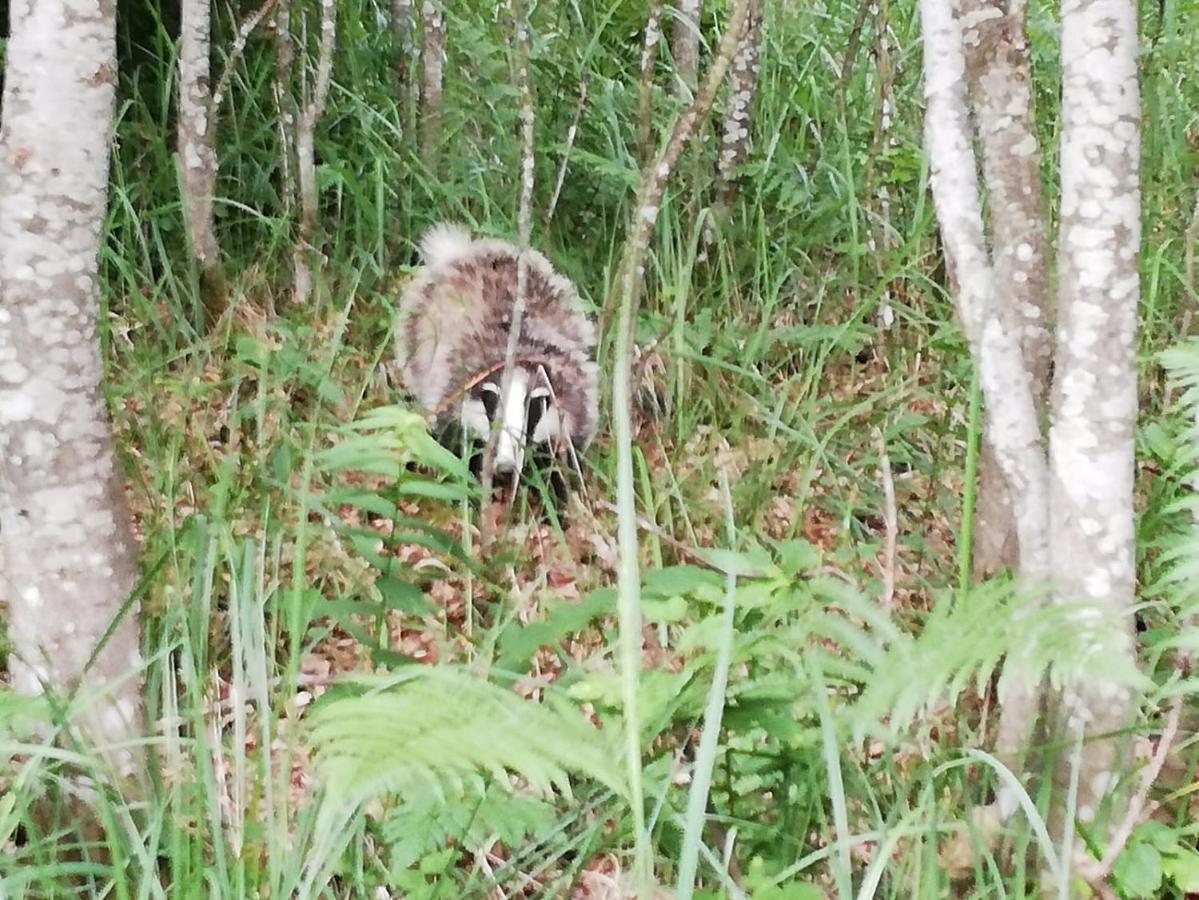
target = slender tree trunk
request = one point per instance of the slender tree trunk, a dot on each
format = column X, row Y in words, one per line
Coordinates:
column 738, row 119
column 650, row 39
column 1094, row 403
column 403, row 25
column 69, row 555
column 1000, row 81
column 314, row 107
column 197, row 157
column 285, row 103
column 992, row 328
column 684, row 44
column 432, row 60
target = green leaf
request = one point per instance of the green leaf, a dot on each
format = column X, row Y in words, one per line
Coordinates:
column 1139, row 870
column 403, row 596
column 518, row 643
column 1182, row 868
column 440, row 725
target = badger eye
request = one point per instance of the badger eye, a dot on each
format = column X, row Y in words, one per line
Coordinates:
column 490, row 395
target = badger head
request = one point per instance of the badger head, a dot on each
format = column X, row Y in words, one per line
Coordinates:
column 526, row 418
column 452, row 337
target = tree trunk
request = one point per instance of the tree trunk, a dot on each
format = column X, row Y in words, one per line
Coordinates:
column 69, row 556
column 999, row 75
column 684, row 44
column 197, row 158
column 314, row 108
column 432, row 58
column 1094, row 401
column 403, row 22
column 738, row 121
column 650, row 39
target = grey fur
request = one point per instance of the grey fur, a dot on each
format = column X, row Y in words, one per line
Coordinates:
column 452, row 329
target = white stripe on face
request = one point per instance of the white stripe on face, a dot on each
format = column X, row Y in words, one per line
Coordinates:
column 510, row 446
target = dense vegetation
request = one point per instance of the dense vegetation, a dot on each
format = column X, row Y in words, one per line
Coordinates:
column 298, row 524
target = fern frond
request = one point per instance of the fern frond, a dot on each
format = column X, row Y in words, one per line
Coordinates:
column 439, row 725
column 961, row 644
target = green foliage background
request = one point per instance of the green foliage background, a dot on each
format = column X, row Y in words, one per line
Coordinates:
column 267, row 454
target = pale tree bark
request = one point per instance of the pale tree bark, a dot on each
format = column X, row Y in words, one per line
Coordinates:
column 69, row 555
column 285, row 103
column 403, row 27
column 992, row 329
column 738, row 118
column 1094, row 402
column 1073, row 505
column 651, row 37
column 1000, row 83
column 197, row 156
column 432, row 57
column 314, row 108
column 684, row 44
column 625, row 297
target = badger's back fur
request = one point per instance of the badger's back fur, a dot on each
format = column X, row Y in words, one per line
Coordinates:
column 452, row 334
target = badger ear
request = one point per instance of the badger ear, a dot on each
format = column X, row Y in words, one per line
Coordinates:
column 444, row 244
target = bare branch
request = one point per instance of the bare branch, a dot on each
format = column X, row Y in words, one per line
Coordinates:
column 571, row 133
column 236, row 49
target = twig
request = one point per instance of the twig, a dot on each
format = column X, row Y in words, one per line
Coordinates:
column 1140, row 807
column 571, row 133
column 891, row 521
column 236, row 49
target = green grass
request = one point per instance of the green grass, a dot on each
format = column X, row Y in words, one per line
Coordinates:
column 287, row 540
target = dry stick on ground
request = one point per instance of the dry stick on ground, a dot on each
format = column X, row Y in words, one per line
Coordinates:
column 196, row 153
column 432, row 57
column 524, row 229
column 626, row 289
column 651, row 37
column 305, row 161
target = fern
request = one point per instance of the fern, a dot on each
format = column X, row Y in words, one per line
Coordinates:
column 959, row 646
column 440, row 726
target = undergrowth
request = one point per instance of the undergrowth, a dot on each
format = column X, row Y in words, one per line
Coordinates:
column 350, row 699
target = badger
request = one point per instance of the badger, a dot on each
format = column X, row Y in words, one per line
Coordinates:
column 452, row 330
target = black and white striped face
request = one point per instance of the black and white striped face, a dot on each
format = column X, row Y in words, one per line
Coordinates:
column 526, row 417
